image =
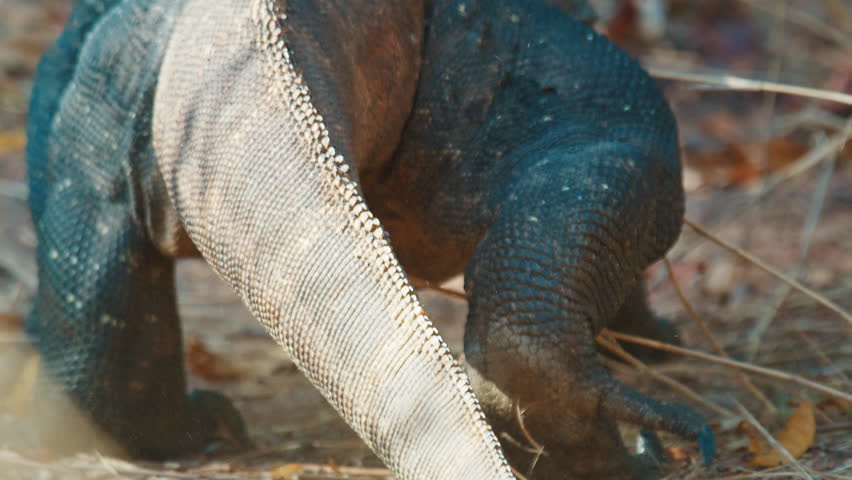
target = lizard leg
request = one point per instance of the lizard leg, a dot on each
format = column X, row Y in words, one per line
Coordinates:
column 636, row 318
column 552, row 270
column 105, row 321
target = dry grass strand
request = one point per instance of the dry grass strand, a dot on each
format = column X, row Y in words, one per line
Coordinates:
column 822, row 300
column 732, row 82
column 705, row 330
column 767, row 372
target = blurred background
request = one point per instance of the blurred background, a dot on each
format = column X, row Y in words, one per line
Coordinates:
column 762, row 90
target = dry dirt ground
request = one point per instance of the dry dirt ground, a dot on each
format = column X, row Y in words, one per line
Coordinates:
column 745, row 155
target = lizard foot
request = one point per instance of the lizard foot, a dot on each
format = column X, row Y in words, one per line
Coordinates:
column 220, row 423
column 214, row 427
column 577, row 438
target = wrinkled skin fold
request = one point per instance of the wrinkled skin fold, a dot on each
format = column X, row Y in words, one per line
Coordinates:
column 499, row 138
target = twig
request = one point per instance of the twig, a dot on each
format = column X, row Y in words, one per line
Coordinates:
column 811, row 159
column 539, row 448
column 770, row 270
column 823, row 357
column 106, row 463
column 129, row 470
column 768, row 372
column 126, row 469
column 705, row 330
column 814, row 212
column 518, row 474
column 731, row 82
column 785, row 475
column 777, row 37
column 341, row 472
column 662, row 378
column 809, row 22
column 519, row 416
column 810, row 117
column 814, row 156
column 420, row 283
column 836, row 427
column 765, row 473
column 517, row 444
column 771, row 440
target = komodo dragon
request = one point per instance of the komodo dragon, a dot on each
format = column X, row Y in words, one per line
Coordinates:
column 496, row 137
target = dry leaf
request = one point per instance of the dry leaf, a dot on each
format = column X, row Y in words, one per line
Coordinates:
column 334, row 466
column 207, row 364
column 11, row 321
column 678, row 454
column 287, row 471
column 797, row 436
column 744, row 167
column 730, row 165
column 782, row 151
column 743, row 163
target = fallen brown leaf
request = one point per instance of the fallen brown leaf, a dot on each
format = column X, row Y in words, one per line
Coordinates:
column 796, row 436
column 742, row 163
column 334, row 466
column 782, row 151
column 207, row 364
column 287, row 471
column 11, row 321
column 678, row 454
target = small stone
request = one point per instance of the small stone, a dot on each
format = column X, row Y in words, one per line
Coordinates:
column 720, row 278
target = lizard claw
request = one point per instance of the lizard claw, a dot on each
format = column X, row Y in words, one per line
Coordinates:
column 648, row 445
column 651, row 452
column 707, row 444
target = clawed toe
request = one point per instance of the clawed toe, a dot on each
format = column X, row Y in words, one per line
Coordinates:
column 625, row 404
column 707, row 444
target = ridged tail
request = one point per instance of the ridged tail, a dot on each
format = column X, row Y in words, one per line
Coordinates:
column 271, row 205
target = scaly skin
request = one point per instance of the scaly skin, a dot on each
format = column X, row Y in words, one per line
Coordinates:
column 105, row 316
column 533, row 155
column 543, row 161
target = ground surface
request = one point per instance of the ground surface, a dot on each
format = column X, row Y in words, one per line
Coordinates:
column 735, row 144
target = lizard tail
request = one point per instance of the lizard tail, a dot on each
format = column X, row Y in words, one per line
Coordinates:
column 270, row 203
